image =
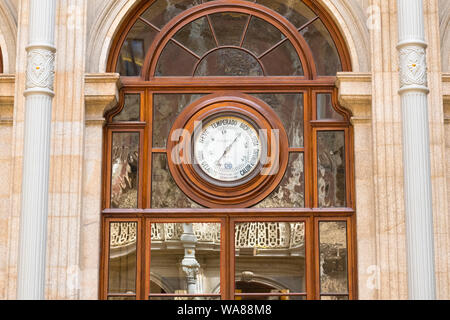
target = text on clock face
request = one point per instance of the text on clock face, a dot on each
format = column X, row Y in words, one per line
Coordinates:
column 227, row 148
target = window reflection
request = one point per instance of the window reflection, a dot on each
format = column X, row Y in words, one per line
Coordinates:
column 124, row 167
column 131, row 109
column 331, row 169
column 325, row 110
column 185, row 259
column 132, row 54
column 122, row 258
column 270, row 260
column 333, row 258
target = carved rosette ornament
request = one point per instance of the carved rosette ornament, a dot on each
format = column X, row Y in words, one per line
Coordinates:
column 40, row 70
column 413, row 67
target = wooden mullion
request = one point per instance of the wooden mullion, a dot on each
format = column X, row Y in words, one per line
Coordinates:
column 149, row 154
column 244, row 33
column 276, row 45
column 214, row 83
column 308, row 141
column 150, row 24
column 186, row 48
column 249, row 212
column 308, row 23
column 212, row 30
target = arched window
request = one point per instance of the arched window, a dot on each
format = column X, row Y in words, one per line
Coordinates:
column 227, row 165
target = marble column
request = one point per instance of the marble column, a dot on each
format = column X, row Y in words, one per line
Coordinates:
column 416, row 150
column 36, row 156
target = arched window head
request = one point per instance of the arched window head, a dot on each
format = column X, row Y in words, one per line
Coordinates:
column 198, row 38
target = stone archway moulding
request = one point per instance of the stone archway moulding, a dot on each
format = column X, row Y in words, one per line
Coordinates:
column 347, row 14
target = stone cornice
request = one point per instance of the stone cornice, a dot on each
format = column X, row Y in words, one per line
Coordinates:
column 355, row 94
column 446, row 95
column 7, row 86
column 101, row 93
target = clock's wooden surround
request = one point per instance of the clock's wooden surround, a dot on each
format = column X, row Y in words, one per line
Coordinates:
column 214, row 193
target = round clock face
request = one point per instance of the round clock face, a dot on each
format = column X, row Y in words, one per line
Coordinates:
column 227, row 148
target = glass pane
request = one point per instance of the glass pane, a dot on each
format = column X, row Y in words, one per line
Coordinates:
column 323, row 49
column 261, row 36
column 175, row 61
column 283, row 61
column 197, row 36
column 229, row 62
column 185, row 258
column 270, row 257
column 124, row 167
column 333, row 257
column 291, row 191
column 165, row 192
column 325, row 108
column 293, row 10
column 166, row 108
column 162, row 11
column 132, row 53
column 289, row 108
column 331, row 169
column 131, row 110
column 229, row 27
column 122, row 258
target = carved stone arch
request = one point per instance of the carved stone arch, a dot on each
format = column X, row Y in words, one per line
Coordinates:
column 160, row 282
column 348, row 16
column 351, row 20
column 104, row 30
column 8, row 36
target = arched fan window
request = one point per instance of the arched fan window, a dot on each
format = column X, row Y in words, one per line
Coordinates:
column 230, row 43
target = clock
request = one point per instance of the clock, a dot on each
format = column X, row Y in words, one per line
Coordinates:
column 227, row 150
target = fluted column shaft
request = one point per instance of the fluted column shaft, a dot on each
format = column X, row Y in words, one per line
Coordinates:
column 416, row 150
column 36, row 155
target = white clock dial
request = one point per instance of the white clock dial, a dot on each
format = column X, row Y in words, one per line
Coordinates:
column 228, row 148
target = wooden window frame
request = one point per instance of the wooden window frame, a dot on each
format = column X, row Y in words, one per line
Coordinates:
column 309, row 86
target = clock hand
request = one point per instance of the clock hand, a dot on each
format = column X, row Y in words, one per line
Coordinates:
column 227, row 149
